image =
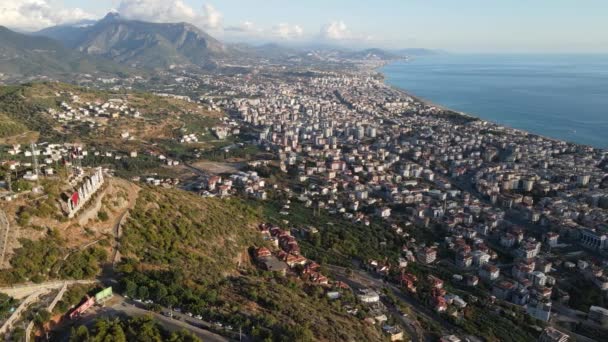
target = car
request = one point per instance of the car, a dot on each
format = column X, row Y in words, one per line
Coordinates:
column 189, row 314
column 219, row 324
column 229, row 327
column 177, row 310
column 198, row 317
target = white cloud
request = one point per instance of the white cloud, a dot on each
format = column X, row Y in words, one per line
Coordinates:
column 37, row 14
column 165, row 11
column 287, row 31
column 211, row 17
column 249, row 30
column 244, row 27
column 338, row 32
column 335, row 30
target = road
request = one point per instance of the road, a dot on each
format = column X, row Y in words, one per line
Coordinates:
column 5, row 229
column 32, row 298
column 80, row 248
column 24, row 290
column 361, row 279
column 124, row 307
column 564, row 314
column 117, row 234
column 172, row 324
column 30, row 326
column 196, row 170
column 414, row 331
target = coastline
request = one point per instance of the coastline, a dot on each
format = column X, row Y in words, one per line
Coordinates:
column 418, row 98
column 470, row 116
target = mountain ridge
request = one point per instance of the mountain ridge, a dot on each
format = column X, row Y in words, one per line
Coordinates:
column 26, row 55
column 141, row 44
column 144, row 44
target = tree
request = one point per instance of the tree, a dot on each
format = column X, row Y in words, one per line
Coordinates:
column 143, row 329
column 18, row 334
column 142, row 292
column 315, row 240
column 116, row 333
column 21, row 185
column 170, row 301
column 102, row 216
column 42, row 317
column 24, row 219
column 101, row 329
column 161, row 292
column 299, row 333
column 79, row 334
column 183, row 336
column 130, row 288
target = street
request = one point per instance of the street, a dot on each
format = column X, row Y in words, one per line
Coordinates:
column 123, row 307
column 360, row 279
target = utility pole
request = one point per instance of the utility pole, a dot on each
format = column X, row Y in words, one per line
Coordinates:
column 9, row 181
column 35, row 160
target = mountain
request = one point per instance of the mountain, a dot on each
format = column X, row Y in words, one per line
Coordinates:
column 69, row 35
column 22, row 54
column 139, row 43
column 329, row 52
column 418, row 52
column 373, row 54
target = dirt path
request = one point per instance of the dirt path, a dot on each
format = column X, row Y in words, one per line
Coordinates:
column 133, row 194
column 4, row 235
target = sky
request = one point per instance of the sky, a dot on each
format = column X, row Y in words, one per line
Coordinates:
column 490, row 26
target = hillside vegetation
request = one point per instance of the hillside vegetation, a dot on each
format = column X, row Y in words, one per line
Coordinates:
column 43, row 259
column 21, row 110
column 27, row 105
column 24, row 109
column 205, row 238
column 132, row 329
column 10, row 127
column 190, row 252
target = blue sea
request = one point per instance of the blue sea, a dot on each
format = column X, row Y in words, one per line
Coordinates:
column 559, row 96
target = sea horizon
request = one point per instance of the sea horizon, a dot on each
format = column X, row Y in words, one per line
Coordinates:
column 556, row 95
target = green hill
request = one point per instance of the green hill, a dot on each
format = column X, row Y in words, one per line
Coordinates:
column 191, row 252
column 205, row 238
column 10, row 127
